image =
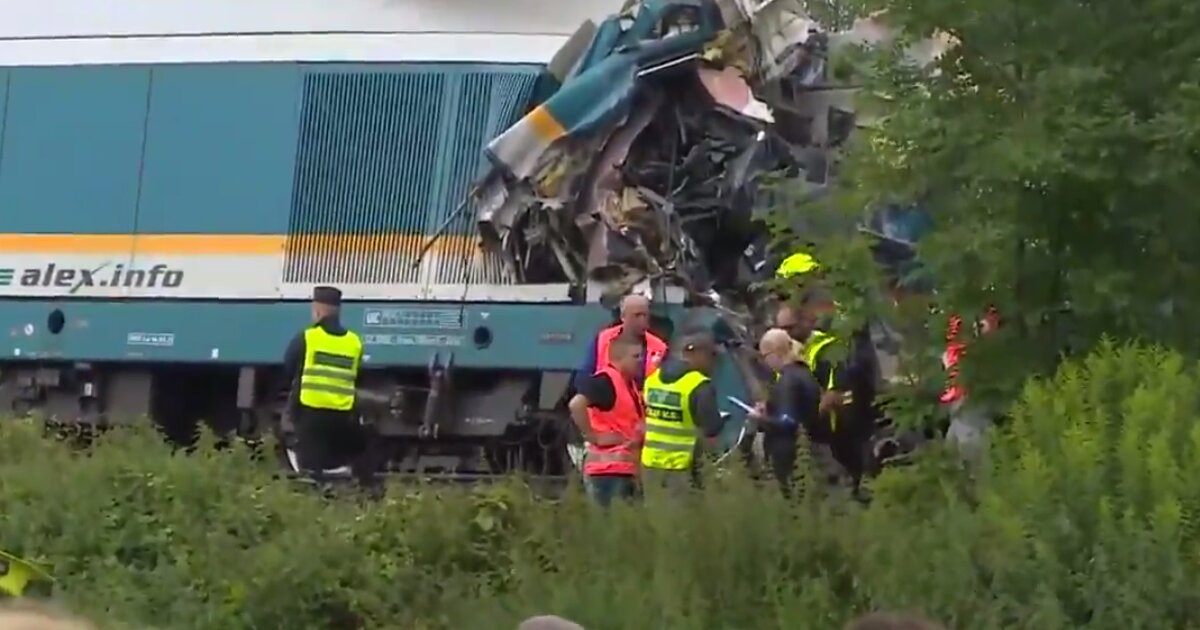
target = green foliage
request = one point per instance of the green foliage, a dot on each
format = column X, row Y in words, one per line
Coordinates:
column 1085, row 515
column 833, row 14
column 1057, row 147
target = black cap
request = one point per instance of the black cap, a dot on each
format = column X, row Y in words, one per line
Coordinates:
column 698, row 339
column 328, row 296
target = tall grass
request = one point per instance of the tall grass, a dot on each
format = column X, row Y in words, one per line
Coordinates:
column 1084, row 517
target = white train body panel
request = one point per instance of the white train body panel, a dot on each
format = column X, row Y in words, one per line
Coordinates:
column 116, row 74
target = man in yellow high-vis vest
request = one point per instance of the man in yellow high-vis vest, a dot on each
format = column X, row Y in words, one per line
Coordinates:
column 681, row 409
column 807, row 324
column 847, row 382
column 323, row 362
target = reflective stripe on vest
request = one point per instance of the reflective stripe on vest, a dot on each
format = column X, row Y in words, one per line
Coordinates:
column 656, row 348
column 817, row 341
column 623, row 421
column 670, row 429
column 331, row 365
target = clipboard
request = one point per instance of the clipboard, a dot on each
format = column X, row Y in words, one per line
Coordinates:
column 739, row 403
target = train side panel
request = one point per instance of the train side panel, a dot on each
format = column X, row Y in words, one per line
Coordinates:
column 162, row 224
column 252, row 181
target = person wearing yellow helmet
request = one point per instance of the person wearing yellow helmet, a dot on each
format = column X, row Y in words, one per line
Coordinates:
column 797, row 264
column 790, row 316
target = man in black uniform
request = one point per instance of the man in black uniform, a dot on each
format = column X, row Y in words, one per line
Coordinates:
column 848, row 383
column 322, row 364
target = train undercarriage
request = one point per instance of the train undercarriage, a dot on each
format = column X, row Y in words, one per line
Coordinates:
column 439, row 422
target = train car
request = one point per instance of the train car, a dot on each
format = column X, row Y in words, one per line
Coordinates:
column 175, row 178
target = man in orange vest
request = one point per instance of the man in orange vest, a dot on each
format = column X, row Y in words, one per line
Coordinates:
column 635, row 320
column 610, row 415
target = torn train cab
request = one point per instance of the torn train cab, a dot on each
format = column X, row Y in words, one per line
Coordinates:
column 175, row 178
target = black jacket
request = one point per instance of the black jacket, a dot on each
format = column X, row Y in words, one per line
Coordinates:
column 857, row 374
column 792, row 403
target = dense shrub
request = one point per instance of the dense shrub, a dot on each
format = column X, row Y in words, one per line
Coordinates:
column 1084, row 516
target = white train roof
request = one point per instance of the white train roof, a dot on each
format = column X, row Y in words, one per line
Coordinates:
column 79, row 32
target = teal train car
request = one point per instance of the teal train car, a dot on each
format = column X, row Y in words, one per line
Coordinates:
column 175, row 178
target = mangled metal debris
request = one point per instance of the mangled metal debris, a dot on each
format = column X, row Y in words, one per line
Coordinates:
column 644, row 158
column 644, row 163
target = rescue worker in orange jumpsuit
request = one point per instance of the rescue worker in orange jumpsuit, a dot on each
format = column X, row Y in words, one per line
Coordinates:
column 610, row 414
column 969, row 423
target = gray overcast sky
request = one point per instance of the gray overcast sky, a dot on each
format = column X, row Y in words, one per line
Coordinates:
column 48, row 18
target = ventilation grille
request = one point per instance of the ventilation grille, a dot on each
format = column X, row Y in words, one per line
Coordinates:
column 488, row 104
column 383, row 159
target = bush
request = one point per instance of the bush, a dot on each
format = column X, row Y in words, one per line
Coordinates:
column 1084, row 516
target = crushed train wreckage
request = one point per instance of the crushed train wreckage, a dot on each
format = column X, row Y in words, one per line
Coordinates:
column 644, row 159
column 645, row 162
column 644, row 156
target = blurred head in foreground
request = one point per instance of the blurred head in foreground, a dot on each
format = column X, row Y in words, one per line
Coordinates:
column 892, row 621
column 22, row 615
column 548, row 622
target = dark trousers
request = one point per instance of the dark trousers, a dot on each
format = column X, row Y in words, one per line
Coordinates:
column 605, row 488
column 851, row 452
column 780, row 451
column 327, row 440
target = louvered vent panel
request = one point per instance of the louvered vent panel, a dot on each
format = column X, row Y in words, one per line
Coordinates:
column 488, row 102
column 365, row 176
